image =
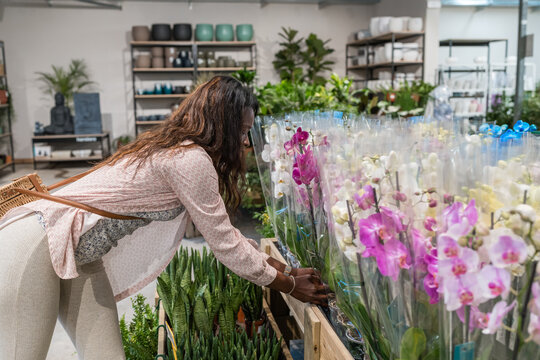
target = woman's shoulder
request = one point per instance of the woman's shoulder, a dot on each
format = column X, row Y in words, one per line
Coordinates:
column 188, row 153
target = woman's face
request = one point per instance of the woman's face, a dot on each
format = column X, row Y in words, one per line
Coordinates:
column 247, row 122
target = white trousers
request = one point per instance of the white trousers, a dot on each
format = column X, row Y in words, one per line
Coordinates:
column 32, row 297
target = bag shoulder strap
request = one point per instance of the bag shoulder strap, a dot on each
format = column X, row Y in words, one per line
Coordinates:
column 69, row 180
column 76, row 204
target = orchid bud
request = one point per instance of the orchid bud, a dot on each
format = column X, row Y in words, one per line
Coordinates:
column 431, row 190
column 432, row 203
column 448, row 199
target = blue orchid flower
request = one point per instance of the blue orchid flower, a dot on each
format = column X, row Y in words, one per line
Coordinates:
column 521, row 126
column 510, row 135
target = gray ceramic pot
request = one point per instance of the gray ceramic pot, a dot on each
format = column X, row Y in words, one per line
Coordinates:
column 143, row 61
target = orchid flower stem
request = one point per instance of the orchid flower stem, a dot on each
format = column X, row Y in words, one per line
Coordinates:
column 523, row 314
column 397, row 187
column 376, row 201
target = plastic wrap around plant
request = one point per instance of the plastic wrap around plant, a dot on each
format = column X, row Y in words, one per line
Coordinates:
column 429, row 235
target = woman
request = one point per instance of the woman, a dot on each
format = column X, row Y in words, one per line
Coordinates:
column 67, row 263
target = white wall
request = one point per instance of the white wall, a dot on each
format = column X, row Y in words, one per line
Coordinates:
column 38, row 38
column 487, row 23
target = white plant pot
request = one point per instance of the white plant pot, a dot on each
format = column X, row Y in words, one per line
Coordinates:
column 416, row 24
column 374, row 26
column 384, row 24
column 410, row 54
column 405, row 22
column 396, row 24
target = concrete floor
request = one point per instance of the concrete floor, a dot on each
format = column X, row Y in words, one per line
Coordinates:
column 61, row 346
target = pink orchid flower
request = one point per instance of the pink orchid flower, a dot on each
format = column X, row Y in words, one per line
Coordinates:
column 431, row 282
column 367, row 199
column 458, row 266
column 462, row 291
column 466, row 217
column 448, row 247
column 391, row 258
column 299, row 138
column 508, row 250
column 496, row 317
column 430, row 224
column 305, row 168
column 494, row 282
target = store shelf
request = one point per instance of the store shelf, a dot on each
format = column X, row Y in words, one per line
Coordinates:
column 68, row 136
column 468, row 42
column 385, row 64
column 162, row 43
column 163, row 70
column 216, row 69
column 153, row 122
column 162, row 96
column 3, row 166
column 5, row 135
column 191, row 43
column 4, row 106
column 49, row 159
column 379, row 39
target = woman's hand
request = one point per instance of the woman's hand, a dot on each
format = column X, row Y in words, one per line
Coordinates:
column 309, row 288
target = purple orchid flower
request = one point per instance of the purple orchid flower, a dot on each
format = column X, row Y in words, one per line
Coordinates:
column 305, row 168
column 448, row 247
column 299, row 138
column 458, row 266
column 367, row 199
column 462, row 291
column 508, row 250
column 535, row 301
column 494, row 282
column 454, row 216
column 430, row 224
column 431, row 282
column 391, row 258
column 496, row 316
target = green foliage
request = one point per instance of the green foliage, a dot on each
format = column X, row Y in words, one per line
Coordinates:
column 413, row 344
column 314, row 57
column 140, row 336
column 66, row 81
column 252, row 305
column 410, row 99
column 246, row 77
column 531, row 108
column 253, row 198
column 502, row 110
column 288, row 60
column 287, row 96
column 296, row 56
column 265, row 229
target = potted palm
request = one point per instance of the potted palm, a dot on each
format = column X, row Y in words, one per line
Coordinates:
column 66, row 81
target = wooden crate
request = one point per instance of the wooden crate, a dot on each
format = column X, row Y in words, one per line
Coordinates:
column 162, row 334
column 320, row 340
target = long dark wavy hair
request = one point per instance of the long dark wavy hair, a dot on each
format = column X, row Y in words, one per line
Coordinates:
column 211, row 117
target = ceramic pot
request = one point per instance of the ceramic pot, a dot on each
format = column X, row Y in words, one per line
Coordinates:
column 384, row 24
column 171, row 51
column 244, row 32
column 204, row 32
column 416, row 24
column 224, row 32
column 182, row 32
column 161, row 32
column 157, row 51
column 230, row 63
column 140, row 33
column 211, row 63
column 201, row 62
column 410, row 54
column 186, row 62
column 179, row 90
column 374, row 26
column 398, row 52
column 169, row 61
column 396, row 24
column 143, row 61
column 158, row 62
column 177, row 63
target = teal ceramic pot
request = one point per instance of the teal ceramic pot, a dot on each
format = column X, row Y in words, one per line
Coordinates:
column 244, row 32
column 224, row 32
column 204, row 32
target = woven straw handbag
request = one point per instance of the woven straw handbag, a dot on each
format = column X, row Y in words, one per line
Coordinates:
column 30, row 188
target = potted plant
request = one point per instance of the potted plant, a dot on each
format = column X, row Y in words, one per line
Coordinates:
column 121, row 141
column 66, row 81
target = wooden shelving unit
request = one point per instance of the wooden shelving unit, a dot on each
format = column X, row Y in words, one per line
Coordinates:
column 6, row 139
column 72, row 139
column 370, row 43
column 177, row 73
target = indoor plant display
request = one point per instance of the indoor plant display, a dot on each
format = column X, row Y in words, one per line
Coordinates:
column 139, row 335
column 66, row 81
column 204, row 32
column 224, row 32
